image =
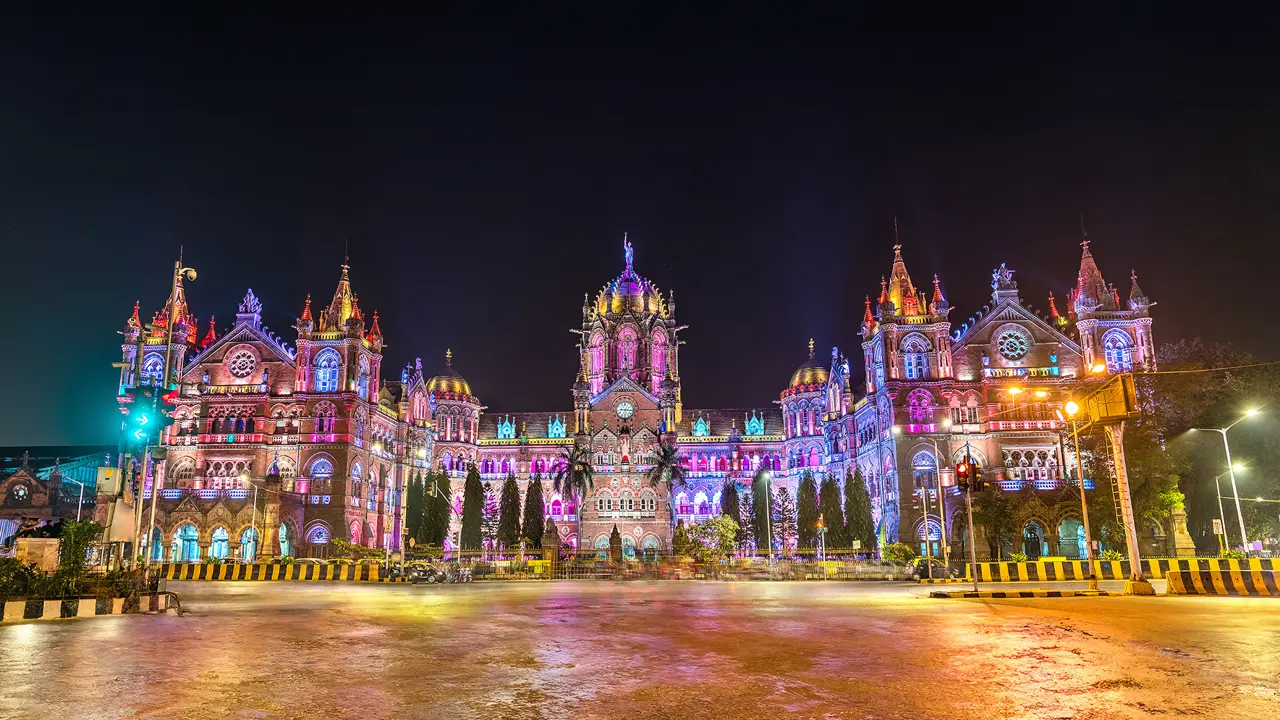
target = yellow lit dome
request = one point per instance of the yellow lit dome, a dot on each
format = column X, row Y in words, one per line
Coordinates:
column 450, row 380
column 811, row 372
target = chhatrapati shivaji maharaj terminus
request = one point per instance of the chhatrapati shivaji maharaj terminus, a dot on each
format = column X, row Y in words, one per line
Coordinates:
column 343, row 439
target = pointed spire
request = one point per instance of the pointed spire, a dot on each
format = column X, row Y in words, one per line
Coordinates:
column 211, row 336
column 901, row 292
column 868, row 320
column 1136, row 296
column 340, row 309
column 306, row 309
column 375, row 332
column 1053, row 307
column 937, row 290
column 134, row 320
column 1115, row 295
column 884, row 291
column 355, row 308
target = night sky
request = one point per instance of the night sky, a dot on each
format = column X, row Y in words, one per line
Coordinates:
column 484, row 170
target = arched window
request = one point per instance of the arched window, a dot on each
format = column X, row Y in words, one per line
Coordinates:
column 915, row 358
column 186, row 545
column 357, row 474
column 326, row 371
column 658, row 360
column 813, row 457
column 286, row 547
column 1118, row 351
column 220, row 546
column 924, row 468
column 627, row 350
column 362, row 381
column 152, row 367
column 318, row 535
column 354, row 530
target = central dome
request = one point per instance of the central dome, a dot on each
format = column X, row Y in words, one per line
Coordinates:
column 629, row 291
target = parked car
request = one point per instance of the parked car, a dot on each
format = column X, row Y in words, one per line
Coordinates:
column 311, row 561
column 919, row 569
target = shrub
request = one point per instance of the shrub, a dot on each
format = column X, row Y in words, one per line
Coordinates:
column 288, row 560
column 16, row 579
column 898, row 553
column 209, row 560
column 1233, row 555
column 1018, row 557
column 1112, row 555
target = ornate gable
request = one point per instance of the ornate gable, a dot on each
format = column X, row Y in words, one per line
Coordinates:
column 624, row 384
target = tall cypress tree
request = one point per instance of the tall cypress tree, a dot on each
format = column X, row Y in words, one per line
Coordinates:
column 832, row 513
column 534, row 513
column 858, row 522
column 441, row 512
column 509, row 515
column 748, row 512
column 413, row 505
column 807, row 513
column 731, row 508
column 472, row 510
column 784, row 514
column 761, row 517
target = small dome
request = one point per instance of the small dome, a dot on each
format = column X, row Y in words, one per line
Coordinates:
column 450, row 380
column 811, row 372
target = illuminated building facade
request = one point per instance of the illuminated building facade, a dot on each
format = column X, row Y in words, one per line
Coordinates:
column 343, row 440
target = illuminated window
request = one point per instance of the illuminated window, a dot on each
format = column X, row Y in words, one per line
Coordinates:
column 1118, row 351
column 506, row 428
column 915, row 358
column 555, row 427
column 327, row 372
column 152, row 366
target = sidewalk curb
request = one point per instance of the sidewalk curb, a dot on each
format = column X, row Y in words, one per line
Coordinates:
column 1001, row 594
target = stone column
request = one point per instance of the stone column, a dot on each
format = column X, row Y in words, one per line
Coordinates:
column 1183, row 545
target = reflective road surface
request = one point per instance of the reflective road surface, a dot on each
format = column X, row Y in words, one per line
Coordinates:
column 646, row 650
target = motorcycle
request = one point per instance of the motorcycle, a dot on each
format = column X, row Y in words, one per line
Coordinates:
column 424, row 574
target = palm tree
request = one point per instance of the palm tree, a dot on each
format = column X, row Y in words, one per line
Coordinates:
column 574, row 478
column 666, row 466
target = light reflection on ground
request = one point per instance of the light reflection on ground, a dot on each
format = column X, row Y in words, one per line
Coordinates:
column 646, row 650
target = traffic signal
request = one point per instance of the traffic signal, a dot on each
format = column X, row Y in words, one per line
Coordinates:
column 962, row 475
column 168, row 406
column 142, row 424
column 977, row 483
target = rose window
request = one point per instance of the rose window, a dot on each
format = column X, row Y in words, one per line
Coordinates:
column 240, row 363
column 1012, row 345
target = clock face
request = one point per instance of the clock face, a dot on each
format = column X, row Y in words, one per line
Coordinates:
column 624, row 409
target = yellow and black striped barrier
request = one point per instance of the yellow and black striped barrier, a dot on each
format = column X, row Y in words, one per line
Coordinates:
column 1218, row 582
column 1076, row 570
column 997, row 594
column 300, row 572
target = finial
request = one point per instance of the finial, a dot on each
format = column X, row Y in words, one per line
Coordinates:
column 448, row 357
column 627, row 251
column 1084, row 236
column 810, row 348
column 896, row 245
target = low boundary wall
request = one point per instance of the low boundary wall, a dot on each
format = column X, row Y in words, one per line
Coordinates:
column 304, row 572
column 1155, row 568
column 1219, row 582
column 15, row 610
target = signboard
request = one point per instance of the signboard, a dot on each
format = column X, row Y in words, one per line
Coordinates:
column 1217, row 526
column 1116, row 400
column 857, row 544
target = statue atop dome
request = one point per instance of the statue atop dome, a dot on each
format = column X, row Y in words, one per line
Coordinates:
column 627, row 252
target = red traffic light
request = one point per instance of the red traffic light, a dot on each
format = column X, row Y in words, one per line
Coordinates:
column 962, row 469
column 170, row 398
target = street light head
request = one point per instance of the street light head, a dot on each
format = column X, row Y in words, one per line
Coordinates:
column 1041, row 393
column 1238, row 467
column 1072, row 407
column 188, row 274
column 1251, row 412
column 244, row 477
column 422, row 453
column 946, row 422
column 1015, row 390
column 1098, row 369
column 897, row 429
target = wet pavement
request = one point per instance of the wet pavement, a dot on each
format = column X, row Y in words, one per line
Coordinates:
column 646, row 650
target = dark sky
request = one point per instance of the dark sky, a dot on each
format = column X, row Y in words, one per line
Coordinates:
column 485, row 169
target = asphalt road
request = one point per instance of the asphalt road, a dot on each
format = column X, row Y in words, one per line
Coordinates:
column 646, row 650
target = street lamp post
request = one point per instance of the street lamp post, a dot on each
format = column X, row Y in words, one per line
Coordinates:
column 1072, row 407
column 1244, row 536
column 1222, row 517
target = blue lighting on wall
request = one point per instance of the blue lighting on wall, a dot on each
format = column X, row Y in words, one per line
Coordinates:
column 555, row 427
column 700, row 428
column 506, row 428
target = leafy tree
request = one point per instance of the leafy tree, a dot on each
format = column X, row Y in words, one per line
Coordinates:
column 534, row 512
column 832, row 513
column 993, row 510
column 667, row 468
column 681, row 544
column 713, row 539
column 784, row 517
column 731, row 507
column 807, row 513
column 73, row 552
column 899, row 553
column 472, row 510
column 575, row 476
column 490, row 519
column 858, row 521
column 761, row 512
column 508, row 532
